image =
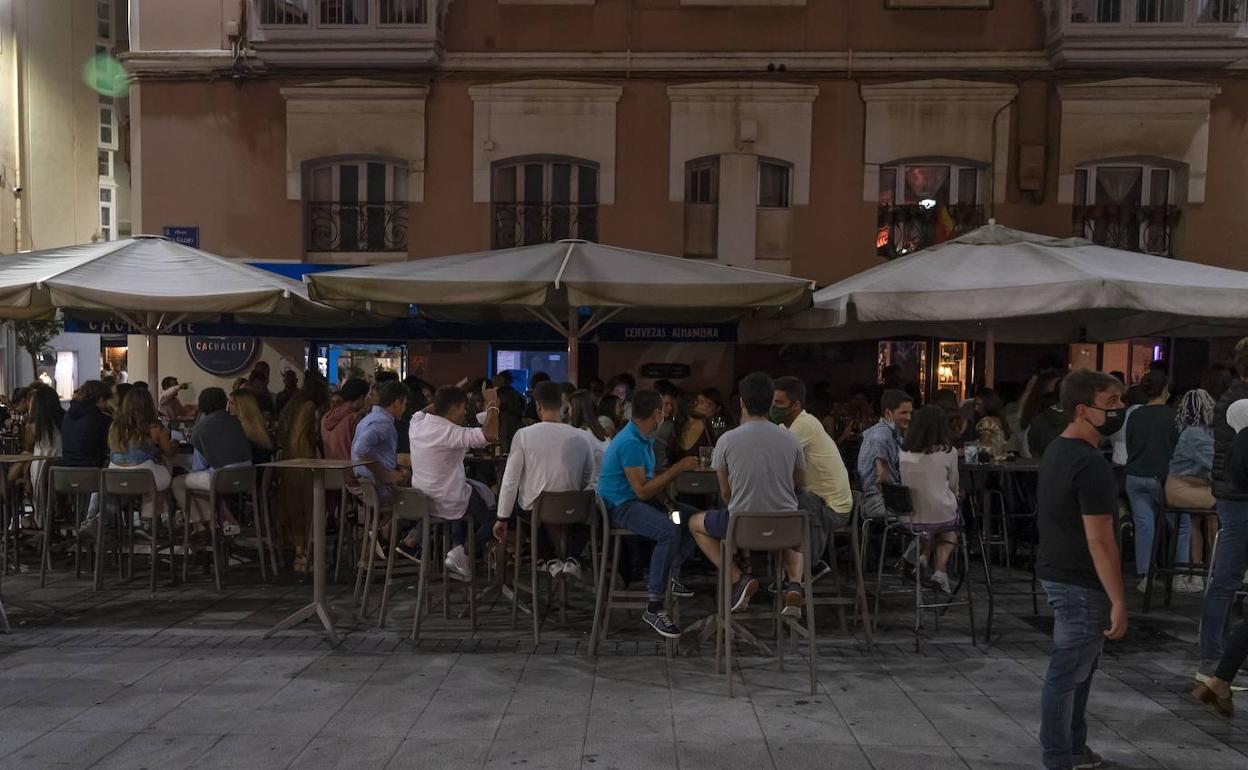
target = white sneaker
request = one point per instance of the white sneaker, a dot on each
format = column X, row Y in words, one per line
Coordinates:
column 1142, row 586
column 1188, row 584
column 554, row 567
column 572, row 568
column 457, row 564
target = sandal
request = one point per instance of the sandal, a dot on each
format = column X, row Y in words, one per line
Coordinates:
column 1222, row 705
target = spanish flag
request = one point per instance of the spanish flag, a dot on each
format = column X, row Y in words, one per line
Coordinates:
column 944, row 224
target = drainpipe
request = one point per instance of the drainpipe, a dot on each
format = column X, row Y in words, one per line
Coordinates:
column 21, row 215
column 992, row 180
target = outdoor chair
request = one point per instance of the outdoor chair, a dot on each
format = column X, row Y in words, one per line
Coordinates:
column 611, row 598
column 128, row 486
column 239, row 483
column 832, row 593
column 370, row 566
column 771, row 533
column 565, row 509
column 340, row 504
column 77, row 484
column 1164, row 562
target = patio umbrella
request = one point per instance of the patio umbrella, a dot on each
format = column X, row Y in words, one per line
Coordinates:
column 555, row 281
column 1000, row 284
column 152, row 283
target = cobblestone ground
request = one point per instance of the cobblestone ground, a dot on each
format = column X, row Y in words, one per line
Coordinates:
column 125, row 679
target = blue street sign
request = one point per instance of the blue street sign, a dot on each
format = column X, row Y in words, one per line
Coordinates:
column 187, row 235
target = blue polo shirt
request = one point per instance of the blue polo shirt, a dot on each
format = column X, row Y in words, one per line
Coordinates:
column 629, row 449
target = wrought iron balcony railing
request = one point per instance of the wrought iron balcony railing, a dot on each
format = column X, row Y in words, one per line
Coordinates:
column 1146, row 229
column 907, row 228
column 524, row 224
column 334, row 226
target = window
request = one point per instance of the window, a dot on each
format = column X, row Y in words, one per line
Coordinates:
column 1126, row 206
column 357, row 205
column 1096, row 11
column 341, row 13
column 104, row 163
column 540, row 200
column 104, row 19
column 1220, row 11
column 773, row 184
column 108, row 226
column 1159, row 11
column 922, row 203
column 701, row 207
column 108, row 123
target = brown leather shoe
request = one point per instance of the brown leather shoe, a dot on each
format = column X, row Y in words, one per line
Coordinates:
column 1222, row 705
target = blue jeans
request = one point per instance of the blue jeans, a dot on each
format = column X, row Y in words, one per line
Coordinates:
column 1229, row 563
column 1145, row 495
column 1080, row 617
column 672, row 542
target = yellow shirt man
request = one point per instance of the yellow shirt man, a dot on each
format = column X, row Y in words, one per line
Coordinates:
column 825, row 469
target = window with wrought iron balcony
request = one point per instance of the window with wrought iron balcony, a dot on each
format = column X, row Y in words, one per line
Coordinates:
column 540, row 199
column 346, row 31
column 356, row 207
column 923, row 203
column 1127, row 206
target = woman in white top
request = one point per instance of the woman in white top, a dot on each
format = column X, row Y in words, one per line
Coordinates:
column 581, row 414
column 42, row 437
column 929, row 469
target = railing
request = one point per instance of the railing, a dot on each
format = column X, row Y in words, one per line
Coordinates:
column 1146, row 229
column 334, row 226
column 341, row 13
column 908, row 228
column 525, row 224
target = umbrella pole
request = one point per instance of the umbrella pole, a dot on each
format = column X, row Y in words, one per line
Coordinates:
column 990, row 359
column 574, row 345
column 153, row 366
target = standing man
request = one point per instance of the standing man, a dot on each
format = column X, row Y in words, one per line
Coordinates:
column 635, row 501
column 879, row 457
column 1230, row 560
column 1078, row 562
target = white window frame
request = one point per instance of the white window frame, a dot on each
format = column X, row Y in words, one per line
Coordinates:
column 373, row 22
column 955, row 166
column 788, row 193
column 1128, row 13
column 107, row 18
column 107, row 232
column 1088, row 171
column 396, row 177
column 109, row 104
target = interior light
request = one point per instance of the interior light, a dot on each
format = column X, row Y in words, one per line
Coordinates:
column 928, row 203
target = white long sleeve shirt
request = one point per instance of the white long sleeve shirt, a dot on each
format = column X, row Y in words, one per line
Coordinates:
column 437, row 449
column 545, row 457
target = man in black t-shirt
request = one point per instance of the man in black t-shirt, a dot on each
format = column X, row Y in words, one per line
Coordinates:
column 1078, row 562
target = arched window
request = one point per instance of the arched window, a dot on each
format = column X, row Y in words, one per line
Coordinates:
column 356, row 205
column 541, row 199
column 925, row 201
column 1128, row 204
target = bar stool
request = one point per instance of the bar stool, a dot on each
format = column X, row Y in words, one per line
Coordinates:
column 565, row 509
column 612, row 599
column 772, row 533
column 78, row 484
column 239, row 483
column 130, row 486
column 1175, row 565
column 837, row 597
column 370, row 567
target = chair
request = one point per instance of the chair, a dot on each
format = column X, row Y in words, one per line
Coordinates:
column 343, row 509
column 564, row 509
column 130, row 486
column 772, row 533
column 226, row 482
column 1174, row 565
column 78, row 484
column 369, row 567
column 609, row 597
column 898, row 498
column 837, row 597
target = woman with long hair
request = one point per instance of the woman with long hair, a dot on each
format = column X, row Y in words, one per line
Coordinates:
column 611, row 414
column 696, row 426
column 581, row 414
column 1191, row 468
column 138, row 440
column 243, row 405
column 41, row 436
column 929, row 469
column 298, row 437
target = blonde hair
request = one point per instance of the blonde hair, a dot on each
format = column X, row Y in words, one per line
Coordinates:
column 247, row 410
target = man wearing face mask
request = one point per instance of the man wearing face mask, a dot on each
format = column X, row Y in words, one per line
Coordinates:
column 1078, row 562
column 634, row 494
column 438, row 442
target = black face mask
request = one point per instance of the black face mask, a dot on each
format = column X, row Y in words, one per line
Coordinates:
column 1114, row 419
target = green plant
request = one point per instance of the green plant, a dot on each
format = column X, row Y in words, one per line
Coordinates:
column 34, row 337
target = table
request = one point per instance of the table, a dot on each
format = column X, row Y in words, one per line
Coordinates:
column 8, row 516
column 319, row 606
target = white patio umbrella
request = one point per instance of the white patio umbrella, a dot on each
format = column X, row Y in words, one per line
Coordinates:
column 553, row 281
column 152, row 283
column 996, row 283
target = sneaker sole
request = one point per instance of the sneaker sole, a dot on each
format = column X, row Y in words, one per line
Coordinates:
column 1204, row 679
column 791, row 612
column 751, row 588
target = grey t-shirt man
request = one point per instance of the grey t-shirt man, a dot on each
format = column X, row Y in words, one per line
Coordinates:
column 761, row 459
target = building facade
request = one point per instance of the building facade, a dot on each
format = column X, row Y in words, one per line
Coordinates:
column 809, row 137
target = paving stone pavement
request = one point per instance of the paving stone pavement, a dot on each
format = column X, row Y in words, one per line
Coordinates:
column 124, row 679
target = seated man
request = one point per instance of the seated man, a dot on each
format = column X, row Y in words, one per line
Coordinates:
column 828, row 497
column 759, row 465
column 879, row 457
column 636, row 501
column 547, row 456
column 438, row 442
column 220, row 442
column 376, row 442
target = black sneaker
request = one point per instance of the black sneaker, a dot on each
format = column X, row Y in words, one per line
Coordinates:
column 1088, row 760
column 661, row 623
column 819, row 571
column 745, row 588
column 680, row 589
